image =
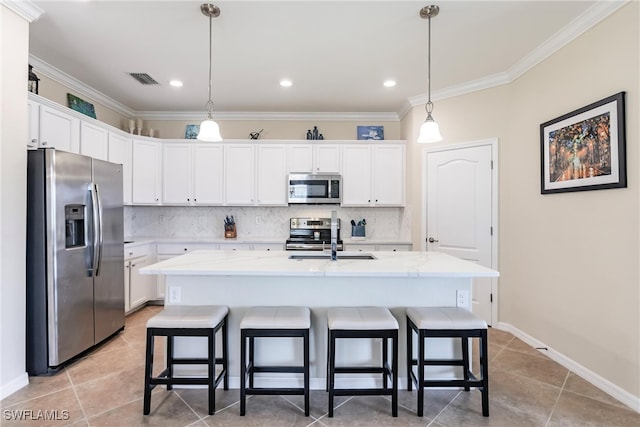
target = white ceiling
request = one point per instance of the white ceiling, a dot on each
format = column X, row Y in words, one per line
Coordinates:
column 337, row 53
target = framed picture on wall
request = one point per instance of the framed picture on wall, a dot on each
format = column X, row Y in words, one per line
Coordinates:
column 585, row 149
column 191, row 132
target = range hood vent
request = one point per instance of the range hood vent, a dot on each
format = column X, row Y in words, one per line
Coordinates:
column 144, row 78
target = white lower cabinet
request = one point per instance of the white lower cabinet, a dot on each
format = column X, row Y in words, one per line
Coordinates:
column 378, row 247
column 139, row 288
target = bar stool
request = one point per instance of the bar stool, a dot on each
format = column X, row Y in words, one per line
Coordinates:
column 273, row 322
column 446, row 322
column 369, row 323
column 187, row 321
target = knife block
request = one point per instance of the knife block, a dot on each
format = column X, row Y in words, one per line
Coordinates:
column 230, row 231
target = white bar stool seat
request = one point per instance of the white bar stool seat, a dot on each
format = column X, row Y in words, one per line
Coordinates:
column 187, row 321
column 446, row 322
column 273, row 322
column 367, row 323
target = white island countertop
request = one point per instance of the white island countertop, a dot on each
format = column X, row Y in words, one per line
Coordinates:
column 278, row 263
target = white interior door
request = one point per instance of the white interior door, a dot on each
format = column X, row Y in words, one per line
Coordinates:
column 460, row 221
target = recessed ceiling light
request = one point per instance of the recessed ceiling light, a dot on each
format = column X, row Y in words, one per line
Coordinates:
column 285, row 83
column 175, row 83
column 389, row 83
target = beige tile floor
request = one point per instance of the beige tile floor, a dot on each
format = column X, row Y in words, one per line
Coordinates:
column 105, row 389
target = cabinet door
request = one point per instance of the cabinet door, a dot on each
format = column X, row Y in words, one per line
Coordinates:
column 356, row 175
column 142, row 287
column 272, row 175
column 127, row 286
column 389, row 175
column 239, row 174
column 59, row 130
column 120, row 152
column 94, row 141
column 327, row 158
column 33, row 118
column 176, row 176
column 301, row 158
column 161, row 279
column 207, row 161
column 145, row 185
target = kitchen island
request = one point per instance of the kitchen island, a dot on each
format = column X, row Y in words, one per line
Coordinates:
column 241, row 279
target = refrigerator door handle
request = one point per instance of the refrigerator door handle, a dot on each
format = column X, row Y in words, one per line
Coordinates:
column 97, row 230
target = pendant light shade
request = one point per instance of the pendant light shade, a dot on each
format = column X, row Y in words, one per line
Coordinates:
column 209, row 129
column 429, row 131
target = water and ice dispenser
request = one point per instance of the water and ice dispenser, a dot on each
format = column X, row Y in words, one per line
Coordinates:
column 74, row 226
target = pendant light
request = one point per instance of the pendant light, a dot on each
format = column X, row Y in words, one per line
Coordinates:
column 209, row 129
column 429, row 131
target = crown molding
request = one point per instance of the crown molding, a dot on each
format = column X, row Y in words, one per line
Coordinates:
column 592, row 16
column 582, row 23
column 77, row 86
column 588, row 19
column 261, row 115
column 27, row 9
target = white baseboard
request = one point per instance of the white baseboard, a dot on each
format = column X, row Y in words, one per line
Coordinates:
column 602, row 383
column 14, row 385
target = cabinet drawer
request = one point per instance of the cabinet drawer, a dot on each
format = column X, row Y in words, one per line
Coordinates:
column 394, row 248
column 183, row 248
column 268, row 247
column 136, row 251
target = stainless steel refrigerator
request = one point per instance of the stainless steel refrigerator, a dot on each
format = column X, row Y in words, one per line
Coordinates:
column 75, row 256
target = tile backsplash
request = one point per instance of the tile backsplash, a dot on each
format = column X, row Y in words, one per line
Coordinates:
column 258, row 222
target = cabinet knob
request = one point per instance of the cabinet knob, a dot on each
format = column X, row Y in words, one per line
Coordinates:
column 185, row 249
column 432, row 240
column 34, row 140
column 44, row 142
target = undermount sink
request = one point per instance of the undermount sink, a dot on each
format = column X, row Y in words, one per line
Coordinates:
column 361, row 255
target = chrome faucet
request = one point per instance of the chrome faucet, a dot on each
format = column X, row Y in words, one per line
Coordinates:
column 334, row 236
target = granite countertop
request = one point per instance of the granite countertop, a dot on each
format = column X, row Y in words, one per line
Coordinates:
column 277, row 263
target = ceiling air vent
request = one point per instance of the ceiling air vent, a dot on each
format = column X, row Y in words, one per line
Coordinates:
column 144, row 78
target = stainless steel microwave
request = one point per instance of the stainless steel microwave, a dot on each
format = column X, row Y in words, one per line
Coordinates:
column 315, row 188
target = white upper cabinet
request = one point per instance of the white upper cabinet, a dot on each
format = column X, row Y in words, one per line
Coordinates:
column 357, row 189
column 192, row 174
column 373, row 175
column 146, row 181
column 176, row 176
column 207, row 162
column 389, row 175
column 58, row 129
column 326, row 158
column 272, row 175
column 33, row 118
column 94, row 140
column 120, row 151
column 239, row 174
column 314, row 158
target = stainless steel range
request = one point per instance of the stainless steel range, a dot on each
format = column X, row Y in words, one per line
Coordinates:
column 311, row 234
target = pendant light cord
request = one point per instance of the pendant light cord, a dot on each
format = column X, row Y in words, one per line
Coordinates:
column 429, row 105
column 210, row 101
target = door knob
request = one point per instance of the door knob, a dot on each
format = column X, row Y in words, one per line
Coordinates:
column 432, row 240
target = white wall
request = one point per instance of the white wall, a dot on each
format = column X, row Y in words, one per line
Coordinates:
column 14, row 44
column 569, row 262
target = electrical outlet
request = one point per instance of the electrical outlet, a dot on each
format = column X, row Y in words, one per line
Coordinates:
column 174, row 294
column 462, row 299
column 258, row 220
